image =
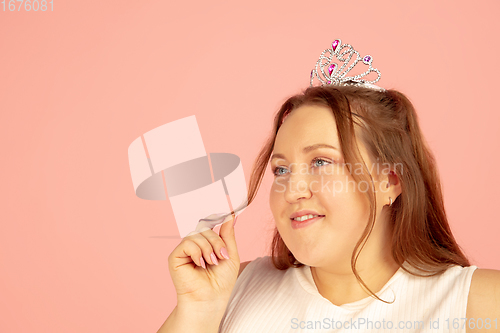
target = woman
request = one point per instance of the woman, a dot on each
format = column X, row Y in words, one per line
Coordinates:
column 362, row 241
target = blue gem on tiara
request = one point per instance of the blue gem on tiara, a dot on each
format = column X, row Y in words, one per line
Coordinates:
column 335, row 63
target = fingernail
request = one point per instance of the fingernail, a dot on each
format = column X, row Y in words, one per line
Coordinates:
column 202, row 263
column 224, row 253
column 214, row 258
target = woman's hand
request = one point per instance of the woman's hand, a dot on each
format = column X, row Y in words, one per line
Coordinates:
column 213, row 283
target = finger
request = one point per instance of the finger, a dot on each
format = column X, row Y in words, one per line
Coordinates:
column 226, row 232
column 186, row 252
column 205, row 246
column 220, row 248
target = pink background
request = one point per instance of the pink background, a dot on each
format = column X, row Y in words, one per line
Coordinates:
column 79, row 252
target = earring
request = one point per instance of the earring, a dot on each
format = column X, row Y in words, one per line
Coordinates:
column 391, row 201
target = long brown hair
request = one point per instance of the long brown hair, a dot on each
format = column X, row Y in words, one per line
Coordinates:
column 388, row 123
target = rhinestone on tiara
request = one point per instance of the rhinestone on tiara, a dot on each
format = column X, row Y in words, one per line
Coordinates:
column 331, row 67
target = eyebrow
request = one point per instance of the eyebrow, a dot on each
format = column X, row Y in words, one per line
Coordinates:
column 307, row 149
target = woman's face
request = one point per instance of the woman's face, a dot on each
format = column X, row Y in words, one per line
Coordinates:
column 309, row 178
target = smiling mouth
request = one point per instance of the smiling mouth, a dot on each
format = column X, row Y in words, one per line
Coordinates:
column 297, row 225
column 306, row 218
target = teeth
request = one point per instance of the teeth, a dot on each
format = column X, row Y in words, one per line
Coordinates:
column 304, row 217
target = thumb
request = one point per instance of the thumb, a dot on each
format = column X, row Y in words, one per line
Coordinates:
column 226, row 232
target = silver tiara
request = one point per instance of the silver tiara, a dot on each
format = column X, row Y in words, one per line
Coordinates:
column 329, row 71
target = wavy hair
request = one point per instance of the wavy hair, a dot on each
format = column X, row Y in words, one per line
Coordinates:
column 387, row 125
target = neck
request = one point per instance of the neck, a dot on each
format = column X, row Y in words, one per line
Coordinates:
column 340, row 286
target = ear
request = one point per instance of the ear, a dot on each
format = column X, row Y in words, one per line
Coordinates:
column 392, row 184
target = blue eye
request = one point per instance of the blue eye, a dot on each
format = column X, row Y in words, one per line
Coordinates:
column 314, row 164
column 275, row 171
column 321, row 160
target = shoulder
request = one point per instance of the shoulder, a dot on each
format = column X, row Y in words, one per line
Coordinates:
column 261, row 262
column 484, row 295
column 242, row 266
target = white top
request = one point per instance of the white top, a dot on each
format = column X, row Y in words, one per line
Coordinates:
column 266, row 299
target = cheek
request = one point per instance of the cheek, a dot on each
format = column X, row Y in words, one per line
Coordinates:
column 348, row 207
column 276, row 197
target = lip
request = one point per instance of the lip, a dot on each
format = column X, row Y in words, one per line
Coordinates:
column 303, row 224
column 304, row 212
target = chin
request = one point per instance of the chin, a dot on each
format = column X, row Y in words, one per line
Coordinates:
column 305, row 258
column 321, row 257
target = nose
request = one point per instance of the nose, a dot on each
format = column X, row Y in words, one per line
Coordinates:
column 297, row 188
